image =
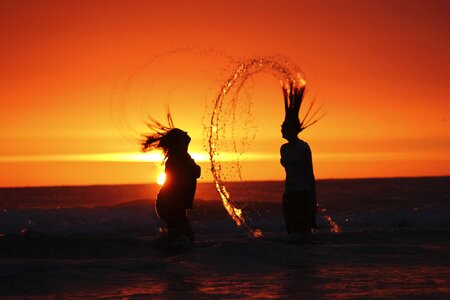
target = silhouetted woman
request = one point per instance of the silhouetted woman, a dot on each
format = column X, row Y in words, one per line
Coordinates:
column 177, row 193
column 299, row 198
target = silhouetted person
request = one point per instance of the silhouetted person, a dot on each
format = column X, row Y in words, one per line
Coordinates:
column 299, row 198
column 177, row 193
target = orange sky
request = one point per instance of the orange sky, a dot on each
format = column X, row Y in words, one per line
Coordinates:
column 381, row 68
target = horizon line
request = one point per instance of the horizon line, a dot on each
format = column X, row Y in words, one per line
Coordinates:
column 212, row 182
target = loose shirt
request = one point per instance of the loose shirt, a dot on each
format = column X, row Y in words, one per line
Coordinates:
column 181, row 181
column 297, row 162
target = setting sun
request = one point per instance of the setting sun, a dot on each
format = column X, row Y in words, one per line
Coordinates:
column 161, row 178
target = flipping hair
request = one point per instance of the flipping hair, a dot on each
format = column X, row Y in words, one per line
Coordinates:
column 161, row 138
column 293, row 97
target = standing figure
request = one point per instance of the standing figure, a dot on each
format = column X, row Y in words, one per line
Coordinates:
column 299, row 198
column 177, row 193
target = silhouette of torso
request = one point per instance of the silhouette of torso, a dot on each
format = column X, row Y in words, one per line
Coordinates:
column 178, row 190
column 296, row 160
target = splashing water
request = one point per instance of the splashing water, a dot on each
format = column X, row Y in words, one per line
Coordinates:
column 334, row 227
column 148, row 87
column 224, row 110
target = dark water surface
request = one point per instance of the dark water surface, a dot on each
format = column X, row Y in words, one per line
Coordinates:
column 339, row 192
column 97, row 242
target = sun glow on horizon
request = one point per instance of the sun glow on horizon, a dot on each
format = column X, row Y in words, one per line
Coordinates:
column 134, row 157
column 161, row 178
column 223, row 156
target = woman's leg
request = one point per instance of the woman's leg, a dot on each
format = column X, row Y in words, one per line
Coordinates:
column 289, row 213
column 185, row 227
column 175, row 218
column 178, row 224
column 296, row 211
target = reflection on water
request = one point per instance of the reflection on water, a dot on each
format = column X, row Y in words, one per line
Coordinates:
column 400, row 264
column 402, row 281
column 264, row 286
column 325, row 282
column 336, row 281
column 143, row 289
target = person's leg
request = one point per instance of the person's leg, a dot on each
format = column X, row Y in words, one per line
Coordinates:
column 185, row 227
column 302, row 219
column 304, row 216
column 176, row 220
column 162, row 214
column 288, row 213
column 297, row 215
column 178, row 224
column 313, row 208
column 295, row 211
column 171, row 223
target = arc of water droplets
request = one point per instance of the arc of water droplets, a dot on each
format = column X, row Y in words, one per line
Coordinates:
column 287, row 73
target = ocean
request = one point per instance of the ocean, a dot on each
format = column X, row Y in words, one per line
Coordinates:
column 78, row 242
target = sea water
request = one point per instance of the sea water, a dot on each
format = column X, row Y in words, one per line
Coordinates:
column 96, row 241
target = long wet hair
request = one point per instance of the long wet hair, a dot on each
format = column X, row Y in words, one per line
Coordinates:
column 293, row 97
column 165, row 138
